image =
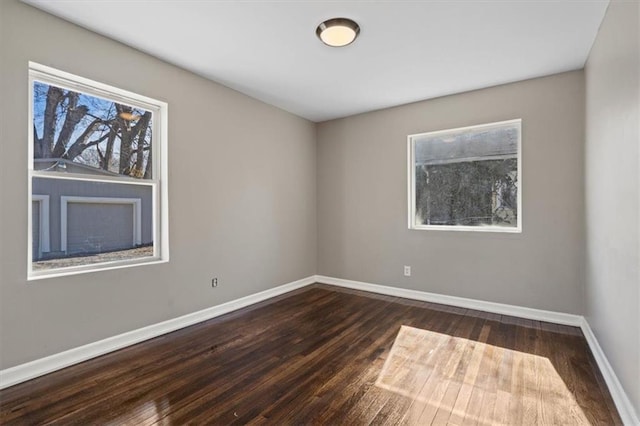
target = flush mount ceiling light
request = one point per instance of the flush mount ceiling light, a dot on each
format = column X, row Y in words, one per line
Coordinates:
column 338, row 32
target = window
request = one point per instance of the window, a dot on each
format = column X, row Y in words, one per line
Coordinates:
column 466, row 179
column 97, row 176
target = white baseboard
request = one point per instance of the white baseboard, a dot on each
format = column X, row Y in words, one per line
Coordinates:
column 30, row 370
column 620, row 398
column 480, row 305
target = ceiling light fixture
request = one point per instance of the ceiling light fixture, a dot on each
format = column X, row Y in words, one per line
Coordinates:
column 338, row 32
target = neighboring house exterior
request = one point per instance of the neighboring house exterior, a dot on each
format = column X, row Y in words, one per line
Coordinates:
column 73, row 217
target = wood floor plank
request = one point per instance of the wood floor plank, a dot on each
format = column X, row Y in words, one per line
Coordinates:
column 460, row 357
column 482, row 395
column 326, row 355
column 355, row 386
column 429, row 389
column 297, row 387
column 202, row 366
column 459, row 410
column 530, row 397
column 491, row 393
column 114, row 377
column 358, row 386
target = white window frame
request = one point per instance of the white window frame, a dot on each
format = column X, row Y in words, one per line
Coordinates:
column 411, row 181
column 158, row 183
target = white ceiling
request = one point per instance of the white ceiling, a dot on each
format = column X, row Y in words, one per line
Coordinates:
column 407, row 50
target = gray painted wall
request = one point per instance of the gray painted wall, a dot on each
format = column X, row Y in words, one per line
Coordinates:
column 613, row 192
column 362, row 199
column 242, row 195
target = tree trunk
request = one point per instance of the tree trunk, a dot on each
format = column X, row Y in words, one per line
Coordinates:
column 38, row 148
column 74, row 115
column 55, row 96
column 108, row 153
column 141, row 128
column 126, row 139
column 148, row 171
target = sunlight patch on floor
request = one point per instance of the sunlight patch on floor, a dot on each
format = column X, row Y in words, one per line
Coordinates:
column 146, row 413
column 460, row 381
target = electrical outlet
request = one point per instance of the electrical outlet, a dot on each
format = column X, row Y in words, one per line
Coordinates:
column 407, row 271
column 214, row 282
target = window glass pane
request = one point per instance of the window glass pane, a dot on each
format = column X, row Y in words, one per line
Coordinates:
column 90, row 222
column 470, row 193
column 467, row 177
column 80, row 133
column 466, row 145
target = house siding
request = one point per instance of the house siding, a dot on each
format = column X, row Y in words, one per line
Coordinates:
column 82, row 217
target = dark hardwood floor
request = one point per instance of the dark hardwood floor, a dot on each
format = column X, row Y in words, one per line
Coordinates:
column 323, row 355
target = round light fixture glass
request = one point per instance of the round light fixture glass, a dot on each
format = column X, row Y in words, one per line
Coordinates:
column 338, row 32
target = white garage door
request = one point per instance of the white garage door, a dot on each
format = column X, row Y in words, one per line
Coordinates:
column 98, row 227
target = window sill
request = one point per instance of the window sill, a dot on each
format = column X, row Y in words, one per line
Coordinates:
column 499, row 229
column 106, row 266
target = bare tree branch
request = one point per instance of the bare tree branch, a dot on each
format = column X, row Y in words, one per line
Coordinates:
column 80, row 143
